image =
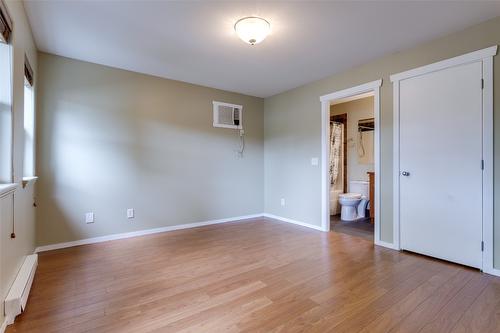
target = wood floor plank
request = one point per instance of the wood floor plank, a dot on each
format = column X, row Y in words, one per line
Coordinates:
column 350, row 319
column 452, row 312
column 429, row 308
column 258, row 275
column 395, row 314
column 484, row 313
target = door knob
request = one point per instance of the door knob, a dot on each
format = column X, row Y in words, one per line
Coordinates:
column 405, row 173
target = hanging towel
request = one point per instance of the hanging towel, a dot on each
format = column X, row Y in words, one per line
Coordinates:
column 335, row 141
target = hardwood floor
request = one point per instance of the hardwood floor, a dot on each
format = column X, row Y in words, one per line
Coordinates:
column 359, row 228
column 254, row 276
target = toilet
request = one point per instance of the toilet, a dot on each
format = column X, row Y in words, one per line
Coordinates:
column 353, row 204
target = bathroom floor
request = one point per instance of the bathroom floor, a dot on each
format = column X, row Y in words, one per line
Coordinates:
column 360, row 228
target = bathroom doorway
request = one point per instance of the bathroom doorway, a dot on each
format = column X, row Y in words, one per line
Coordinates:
column 351, row 162
column 352, row 127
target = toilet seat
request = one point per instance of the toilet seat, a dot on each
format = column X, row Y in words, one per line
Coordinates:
column 352, row 196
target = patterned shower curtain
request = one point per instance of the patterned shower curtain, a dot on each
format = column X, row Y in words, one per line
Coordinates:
column 335, row 140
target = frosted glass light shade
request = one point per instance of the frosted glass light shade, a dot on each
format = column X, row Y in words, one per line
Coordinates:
column 252, row 29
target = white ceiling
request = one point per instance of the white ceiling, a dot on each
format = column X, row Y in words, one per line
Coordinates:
column 195, row 41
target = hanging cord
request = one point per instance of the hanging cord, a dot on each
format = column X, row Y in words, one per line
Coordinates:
column 13, row 234
column 242, row 143
column 361, row 152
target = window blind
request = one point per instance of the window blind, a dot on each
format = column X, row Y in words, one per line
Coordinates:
column 28, row 72
column 5, row 23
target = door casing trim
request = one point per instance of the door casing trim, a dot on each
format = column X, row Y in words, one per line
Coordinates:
column 373, row 86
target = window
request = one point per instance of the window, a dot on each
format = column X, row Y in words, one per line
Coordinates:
column 5, row 114
column 29, row 122
column 5, row 96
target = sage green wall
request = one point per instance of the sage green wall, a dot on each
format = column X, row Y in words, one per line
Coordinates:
column 111, row 139
column 293, row 124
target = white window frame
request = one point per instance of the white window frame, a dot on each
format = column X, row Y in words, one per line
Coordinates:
column 29, row 173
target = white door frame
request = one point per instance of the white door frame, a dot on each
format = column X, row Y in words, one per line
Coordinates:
column 326, row 100
column 486, row 57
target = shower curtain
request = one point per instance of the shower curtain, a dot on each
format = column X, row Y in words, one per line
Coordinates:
column 335, row 140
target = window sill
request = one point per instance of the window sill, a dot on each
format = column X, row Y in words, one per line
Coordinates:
column 29, row 180
column 6, row 189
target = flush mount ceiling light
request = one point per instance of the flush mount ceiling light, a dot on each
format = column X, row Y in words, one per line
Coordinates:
column 252, row 29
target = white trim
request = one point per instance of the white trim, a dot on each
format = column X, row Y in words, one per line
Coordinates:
column 166, row 229
column 386, row 244
column 351, row 98
column 3, row 327
column 6, row 189
column 326, row 100
column 486, row 57
column 16, row 299
column 488, row 156
column 437, row 66
column 285, row 219
column 228, row 126
column 492, row 271
column 325, row 175
column 357, row 90
column 396, row 232
column 142, row 233
column 29, row 180
column 376, row 152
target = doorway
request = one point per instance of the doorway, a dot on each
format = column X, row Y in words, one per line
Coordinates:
column 371, row 90
column 351, row 165
column 443, row 143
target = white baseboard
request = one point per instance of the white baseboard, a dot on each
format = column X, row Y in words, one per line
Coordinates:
column 387, row 245
column 15, row 302
column 285, row 219
column 4, row 325
column 6, row 322
column 141, row 233
column 492, row 271
column 9, row 321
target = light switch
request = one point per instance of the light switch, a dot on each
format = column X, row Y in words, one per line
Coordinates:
column 282, row 201
column 314, row 161
column 89, row 217
column 130, row 213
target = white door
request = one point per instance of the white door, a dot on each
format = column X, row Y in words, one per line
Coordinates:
column 440, row 164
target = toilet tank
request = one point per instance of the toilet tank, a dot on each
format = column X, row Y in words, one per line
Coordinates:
column 360, row 186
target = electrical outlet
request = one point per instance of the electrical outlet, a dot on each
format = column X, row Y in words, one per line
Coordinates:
column 283, row 201
column 130, row 213
column 314, row 161
column 89, row 217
